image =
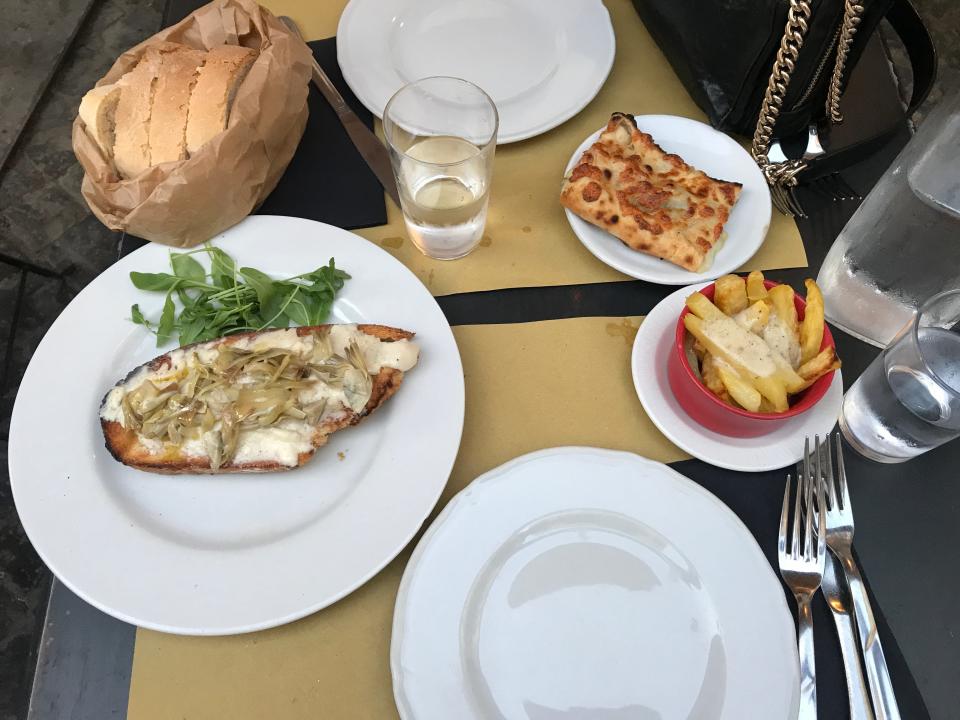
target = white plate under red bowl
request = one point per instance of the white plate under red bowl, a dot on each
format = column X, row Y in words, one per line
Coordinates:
column 784, row 446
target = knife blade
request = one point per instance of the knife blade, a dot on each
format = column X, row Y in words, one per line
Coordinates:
column 368, row 145
column 837, row 595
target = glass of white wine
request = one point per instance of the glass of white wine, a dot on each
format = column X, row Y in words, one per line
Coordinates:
column 442, row 133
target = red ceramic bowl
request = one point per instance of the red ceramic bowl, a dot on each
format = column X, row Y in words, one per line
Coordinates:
column 714, row 414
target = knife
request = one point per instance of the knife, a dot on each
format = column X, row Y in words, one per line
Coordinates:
column 837, row 594
column 368, row 145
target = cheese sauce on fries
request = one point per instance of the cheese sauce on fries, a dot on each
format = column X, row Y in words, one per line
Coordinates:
column 753, row 349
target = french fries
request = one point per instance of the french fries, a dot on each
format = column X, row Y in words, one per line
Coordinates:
column 811, row 329
column 781, row 297
column 747, row 396
column 730, row 294
column 756, row 290
column 756, row 317
column 771, row 387
column 712, row 378
column 743, row 356
column 765, row 406
column 775, row 392
column 699, row 350
column 819, row 365
column 701, row 306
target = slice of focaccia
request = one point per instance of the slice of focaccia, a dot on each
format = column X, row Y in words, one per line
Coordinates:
column 253, row 402
column 651, row 200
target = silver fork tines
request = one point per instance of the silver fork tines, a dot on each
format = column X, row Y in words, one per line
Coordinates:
column 802, row 567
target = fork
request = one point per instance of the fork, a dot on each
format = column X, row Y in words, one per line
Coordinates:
column 839, row 537
column 802, row 570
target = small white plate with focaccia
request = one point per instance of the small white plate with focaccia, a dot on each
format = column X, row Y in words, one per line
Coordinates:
column 666, row 199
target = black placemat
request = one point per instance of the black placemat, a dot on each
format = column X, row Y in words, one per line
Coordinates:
column 757, row 498
column 327, row 180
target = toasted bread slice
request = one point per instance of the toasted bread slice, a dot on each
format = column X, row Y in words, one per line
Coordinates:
column 386, row 354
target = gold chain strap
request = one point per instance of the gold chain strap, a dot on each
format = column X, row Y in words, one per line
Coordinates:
column 852, row 11
column 781, row 174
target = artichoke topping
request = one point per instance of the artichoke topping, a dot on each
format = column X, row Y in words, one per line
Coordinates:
column 244, row 390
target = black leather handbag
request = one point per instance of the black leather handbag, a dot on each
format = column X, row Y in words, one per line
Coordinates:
column 773, row 68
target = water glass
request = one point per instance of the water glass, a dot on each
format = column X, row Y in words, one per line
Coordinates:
column 442, row 133
column 908, row 400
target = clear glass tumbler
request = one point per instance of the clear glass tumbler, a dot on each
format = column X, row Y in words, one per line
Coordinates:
column 442, row 133
column 908, row 400
column 901, row 246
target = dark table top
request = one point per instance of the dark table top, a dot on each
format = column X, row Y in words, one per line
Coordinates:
column 907, row 532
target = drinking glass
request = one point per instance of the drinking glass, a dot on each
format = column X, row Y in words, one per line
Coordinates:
column 442, row 133
column 900, row 247
column 908, row 400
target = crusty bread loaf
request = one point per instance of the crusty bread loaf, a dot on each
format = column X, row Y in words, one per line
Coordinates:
column 127, row 447
column 167, row 107
column 217, row 83
column 131, row 150
column 98, row 112
column 168, row 119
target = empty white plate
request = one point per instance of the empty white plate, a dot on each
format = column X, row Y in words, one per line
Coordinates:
column 589, row 584
column 777, row 449
column 541, row 61
column 719, row 156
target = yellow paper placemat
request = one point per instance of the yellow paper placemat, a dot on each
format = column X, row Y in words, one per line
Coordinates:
column 529, row 386
column 528, row 242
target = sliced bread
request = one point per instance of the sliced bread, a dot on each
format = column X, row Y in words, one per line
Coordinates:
column 131, row 151
column 171, row 98
column 217, row 83
column 98, row 112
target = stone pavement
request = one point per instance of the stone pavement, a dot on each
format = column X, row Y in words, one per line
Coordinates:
column 34, row 44
column 51, row 247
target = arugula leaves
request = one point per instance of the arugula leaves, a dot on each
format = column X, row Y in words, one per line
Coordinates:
column 231, row 300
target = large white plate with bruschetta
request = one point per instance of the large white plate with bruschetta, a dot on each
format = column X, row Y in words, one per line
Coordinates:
column 231, row 553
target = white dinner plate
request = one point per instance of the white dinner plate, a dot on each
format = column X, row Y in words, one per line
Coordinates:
column 783, row 446
column 719, row 156
column 541, row 61
column 589, row 584
column 225, row 554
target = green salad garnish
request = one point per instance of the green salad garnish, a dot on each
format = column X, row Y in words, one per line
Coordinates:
column 202, row 305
